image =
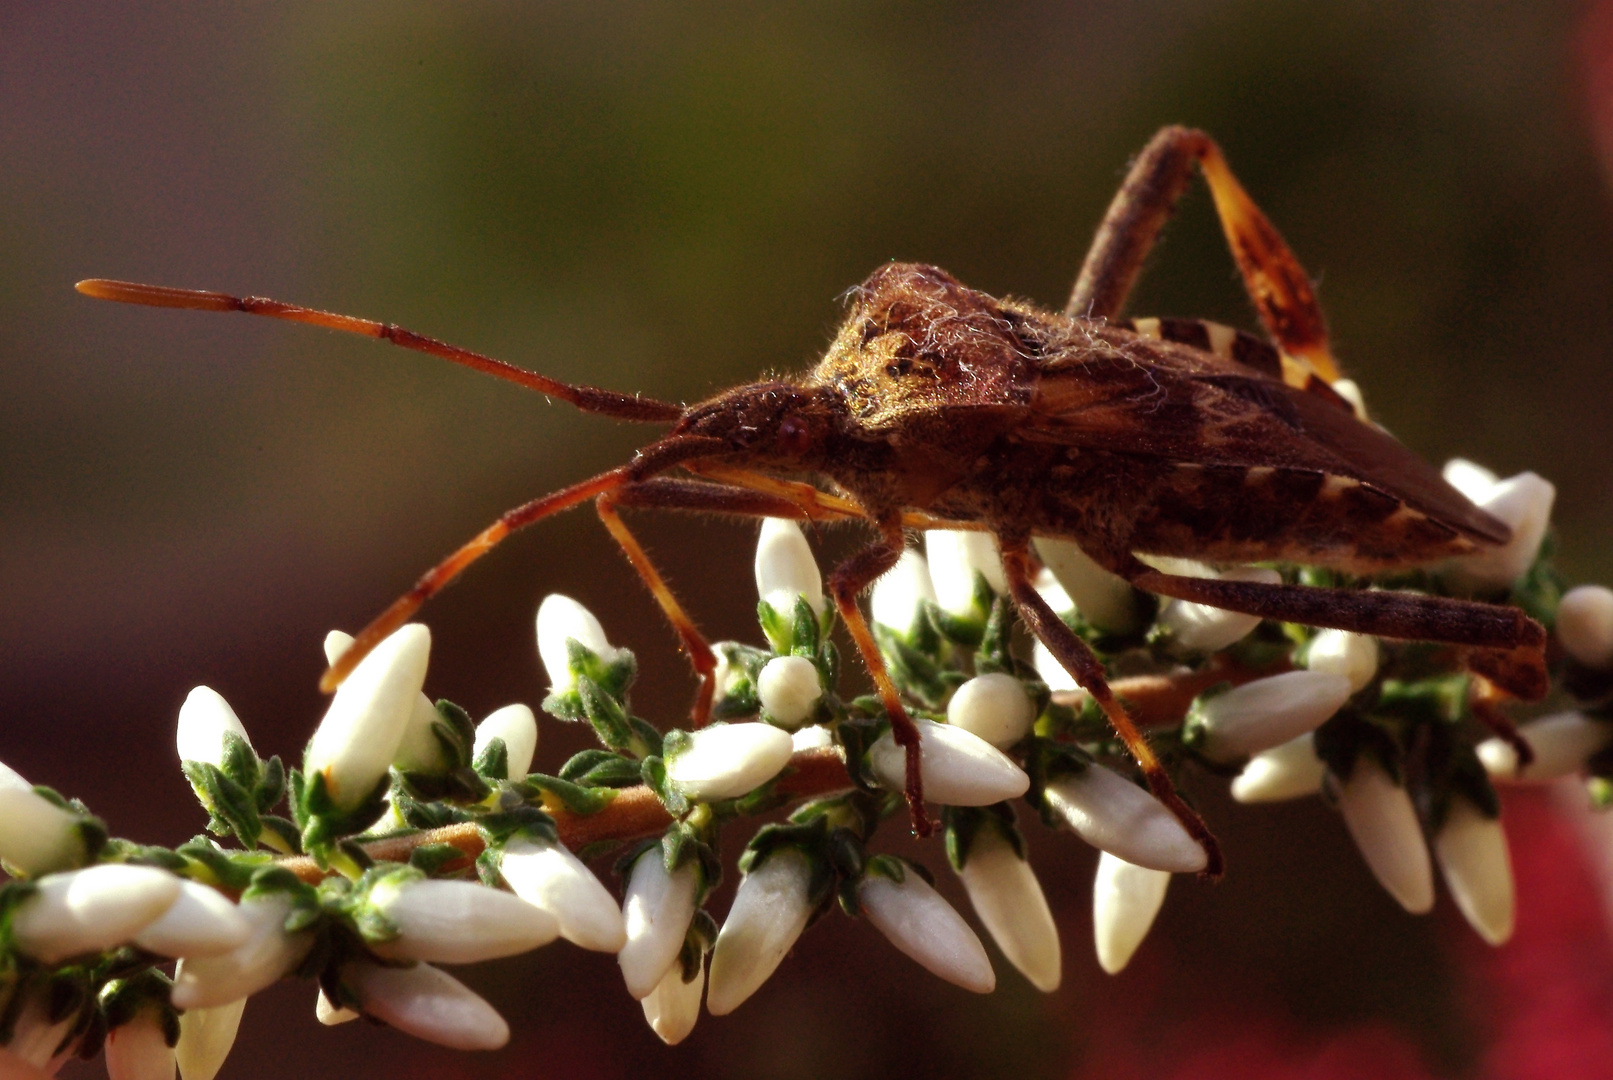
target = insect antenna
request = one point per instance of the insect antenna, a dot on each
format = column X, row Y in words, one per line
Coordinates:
column 587, row 398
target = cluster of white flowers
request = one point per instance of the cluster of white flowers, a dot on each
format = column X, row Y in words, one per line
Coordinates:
column 992, row 728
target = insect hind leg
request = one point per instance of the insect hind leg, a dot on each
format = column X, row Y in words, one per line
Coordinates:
column 1079, row 661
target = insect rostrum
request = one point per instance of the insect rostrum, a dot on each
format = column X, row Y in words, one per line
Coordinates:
column 940, row 406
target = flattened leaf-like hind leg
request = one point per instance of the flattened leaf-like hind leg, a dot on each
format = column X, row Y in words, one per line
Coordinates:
column 1274, row 278
column 1084, row 667
column 1501, row 643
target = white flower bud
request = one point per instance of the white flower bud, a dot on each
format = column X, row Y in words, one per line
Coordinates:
column 959, row 769
column 204, row 720
column 1562, row 743
column 214, row 981
column 1472, row 853
column 1341, row 652
column 1381, row 819
column 559, row 618
column 329, row 1013
column 36, row 835
column 789, row 689
column 1350, row 391
column 1009, row 900
column 1052, row 593
column 458, row 922
column 1105, row 600
column 85, row 911
column 993, row 707
column 725, row 761
column 898, row 593
column 658, row 908
column 427, row 1003
column 35, row 1037
column 360, row 734
column 139, row 1050
column 1115, row 815
column 955, row 557
column 1264, row 713
column 811, row 737
column 518, row 727
column 1523, row 503
column 1585, row 625
column 924, row 926
column 1288, row 771
column 205, row 1039
column 1125, row 899
column 553, row 879
column 336, row 643
column 419, row 750
column 770, row 909
column 1470, row 478
column 200, row 922
column 785, row 568
column 1206, row 629
column 674, row 1005
column 1051, row 671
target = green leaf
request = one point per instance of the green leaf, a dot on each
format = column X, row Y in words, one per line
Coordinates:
column 601, row 768
column 575, row 798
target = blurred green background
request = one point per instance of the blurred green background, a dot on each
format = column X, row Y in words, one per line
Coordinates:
column 671, row 198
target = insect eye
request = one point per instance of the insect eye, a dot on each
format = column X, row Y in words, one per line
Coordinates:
column 794, row 439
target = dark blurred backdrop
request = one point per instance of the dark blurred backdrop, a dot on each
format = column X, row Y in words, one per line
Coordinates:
column 670, row 198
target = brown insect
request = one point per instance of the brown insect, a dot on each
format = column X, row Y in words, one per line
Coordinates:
column 939, row 406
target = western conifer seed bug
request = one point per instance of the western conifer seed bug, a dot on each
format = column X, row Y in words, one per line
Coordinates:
column 939, row 406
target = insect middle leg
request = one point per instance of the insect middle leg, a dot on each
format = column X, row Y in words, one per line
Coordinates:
column 1274, row 278
column 1076, row 658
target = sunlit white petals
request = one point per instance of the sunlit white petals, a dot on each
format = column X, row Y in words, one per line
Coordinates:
column 360, row 734
column 1009, row 900
column 785, row 567
column 1289, row 771
column 725, row 761
column 959, row 769
column 204, row 720
column 518, row 727
column 1125, row 899
column 657, row 908
column 898, row 593
column 811, row 737
column 1050, row 670
column 200, row 922
column 1105, row 600
column 559, row 618
column 1268, row 712
column 1562, row 743
column 924, row 926
column 955, row 557
column 209, row 982
column 993, row 707
column 83, row 911
column 1342, row 652
column 1202, row 628
column 550, row 877
column 770, row 909
column 458, row 922
column 1350, row 391
column 789, row 689
column 1383, row 823
column 1115, row 815
column 1472, row 852
column 674, row 1005
column 36, row 835
column 139, row 1050
column 1585, row 625
column 1470, row 478
column 1523, row 502
column 331, row 1014
column 205, row 1039
column 427, row 1003
column 336, row 643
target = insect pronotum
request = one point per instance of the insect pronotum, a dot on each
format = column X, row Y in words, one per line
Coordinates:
column 939, row 406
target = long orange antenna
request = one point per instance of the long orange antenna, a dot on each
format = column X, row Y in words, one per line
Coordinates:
column 588, row 398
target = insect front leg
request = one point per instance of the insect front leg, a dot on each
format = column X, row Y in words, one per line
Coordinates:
column 1274, row 278
column 1076, row 658
column 1501, row 643
column 846, row 583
